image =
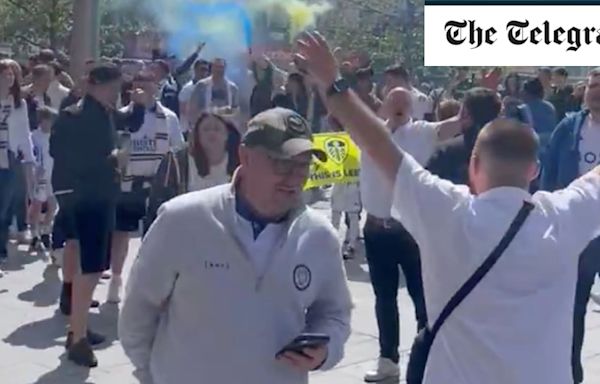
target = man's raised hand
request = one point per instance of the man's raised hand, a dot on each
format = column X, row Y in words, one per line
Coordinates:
column 315, row 55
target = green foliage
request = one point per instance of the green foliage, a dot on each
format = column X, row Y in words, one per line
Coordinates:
column 48, row 24
column 119, row 21
column 390, row 31
column 36, row 23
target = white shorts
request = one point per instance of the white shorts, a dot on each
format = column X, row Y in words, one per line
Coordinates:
column 346, row 198
column 43, row 192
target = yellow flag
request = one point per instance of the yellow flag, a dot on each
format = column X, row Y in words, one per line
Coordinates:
column 343, row 161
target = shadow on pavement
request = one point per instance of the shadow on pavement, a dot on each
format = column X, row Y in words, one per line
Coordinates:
column 45, row 293
column 18, row 259
column 51, row 332
column 42, row 334
column 66, row 372
column 355, row 272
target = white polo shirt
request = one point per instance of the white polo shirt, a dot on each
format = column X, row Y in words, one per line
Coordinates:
column 419, row 139
column 589, row 146
column 516, row 325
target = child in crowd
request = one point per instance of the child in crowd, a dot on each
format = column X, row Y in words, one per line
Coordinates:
column 43, row 205
column 345, row 199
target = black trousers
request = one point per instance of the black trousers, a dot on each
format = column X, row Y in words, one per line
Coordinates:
column 589, row 266
column 386, row 249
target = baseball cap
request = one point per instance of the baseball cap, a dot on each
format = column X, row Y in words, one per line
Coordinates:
column 283, row 133
column 103, row 74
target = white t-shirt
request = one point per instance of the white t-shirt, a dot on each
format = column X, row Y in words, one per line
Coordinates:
column 44, row 163
column 57, row 93
column 217, row 176
column 422, row 104
column 417, row 138
column 516, row 325
column 186, row 92
column 589, row 146
column 41, row 150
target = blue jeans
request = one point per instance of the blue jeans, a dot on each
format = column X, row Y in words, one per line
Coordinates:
column 7, row 191
column 19, row 201
column 589, row 266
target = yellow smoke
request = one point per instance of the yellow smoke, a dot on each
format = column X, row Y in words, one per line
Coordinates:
column 301, row 14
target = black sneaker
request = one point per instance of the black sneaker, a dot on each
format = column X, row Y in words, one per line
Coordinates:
column 65, row 306
column 82, row 354
column 46, row 241
column 348, row 253
column 92, row 337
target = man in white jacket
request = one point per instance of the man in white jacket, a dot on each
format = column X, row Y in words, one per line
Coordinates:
column 228, row 276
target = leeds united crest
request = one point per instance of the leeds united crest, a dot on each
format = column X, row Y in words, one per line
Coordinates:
column 302, row 277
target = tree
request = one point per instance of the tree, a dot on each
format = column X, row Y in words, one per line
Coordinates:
column 37, row 23
column 48, row 23
column 118, row 21
column 388, row 31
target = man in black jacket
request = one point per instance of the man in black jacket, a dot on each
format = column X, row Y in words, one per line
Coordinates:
column 84, row 145
column 451, row 159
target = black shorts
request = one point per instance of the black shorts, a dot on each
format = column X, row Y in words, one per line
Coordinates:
column 65, row 219
column 131, row 208
column 91, row 222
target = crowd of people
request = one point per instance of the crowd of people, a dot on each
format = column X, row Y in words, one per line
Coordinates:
column 86, row 162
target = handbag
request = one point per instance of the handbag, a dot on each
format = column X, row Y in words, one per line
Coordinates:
column 422, row 344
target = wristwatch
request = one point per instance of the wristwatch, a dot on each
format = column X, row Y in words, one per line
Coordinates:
column 338, row 86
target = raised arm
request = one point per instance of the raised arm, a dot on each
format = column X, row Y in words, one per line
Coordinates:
column 419, row 197
column 365, row 128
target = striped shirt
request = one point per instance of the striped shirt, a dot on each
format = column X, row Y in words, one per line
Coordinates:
column 5, row 111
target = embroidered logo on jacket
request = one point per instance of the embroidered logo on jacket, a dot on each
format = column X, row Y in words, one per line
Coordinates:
column 302, row 277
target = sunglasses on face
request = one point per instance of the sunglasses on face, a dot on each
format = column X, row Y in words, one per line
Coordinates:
column 285, row 167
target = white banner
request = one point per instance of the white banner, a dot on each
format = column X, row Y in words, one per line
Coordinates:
column 512, row 35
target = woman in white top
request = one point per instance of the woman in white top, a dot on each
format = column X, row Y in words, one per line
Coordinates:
column 15, row 145
column 209, row 160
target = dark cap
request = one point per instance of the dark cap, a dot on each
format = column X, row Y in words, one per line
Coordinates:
column 103, row 74
column 283, row 133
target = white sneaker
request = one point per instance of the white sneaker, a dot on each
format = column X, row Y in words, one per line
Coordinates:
column 386, row 369
column 24, row 237
column 57, row 257
column 114, row 290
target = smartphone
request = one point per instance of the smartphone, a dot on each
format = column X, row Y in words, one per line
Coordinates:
column 305, row 340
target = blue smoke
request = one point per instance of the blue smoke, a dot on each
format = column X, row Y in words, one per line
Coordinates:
column 226, row 28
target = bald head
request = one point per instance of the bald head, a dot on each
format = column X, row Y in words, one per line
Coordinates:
column 505, row 154
column 397, row 105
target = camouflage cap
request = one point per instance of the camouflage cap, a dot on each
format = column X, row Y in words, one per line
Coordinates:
column 283, row 133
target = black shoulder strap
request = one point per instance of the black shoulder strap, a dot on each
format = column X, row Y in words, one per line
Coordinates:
column 480, row 273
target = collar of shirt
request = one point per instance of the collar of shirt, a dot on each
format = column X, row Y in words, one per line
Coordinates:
column 502, row 193
column 400, row 128
column 243, row 208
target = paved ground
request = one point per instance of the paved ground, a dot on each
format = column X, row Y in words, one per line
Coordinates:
column 32, row 333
